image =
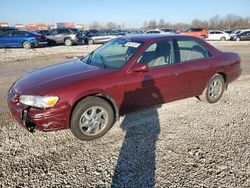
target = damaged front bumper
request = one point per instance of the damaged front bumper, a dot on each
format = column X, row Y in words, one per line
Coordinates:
column 39, row 119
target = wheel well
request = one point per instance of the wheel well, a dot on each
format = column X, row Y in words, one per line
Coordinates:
column 224, row 76
column 26, row 41
column 103, row 96
column 91, row 39
column 67, row 38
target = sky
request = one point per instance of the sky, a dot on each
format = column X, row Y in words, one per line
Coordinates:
column 132, row 13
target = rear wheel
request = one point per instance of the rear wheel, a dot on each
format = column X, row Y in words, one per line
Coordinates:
column 222, row 38
column 91, row 118
column 68, row 42
column 27, row 45
column 214, row 90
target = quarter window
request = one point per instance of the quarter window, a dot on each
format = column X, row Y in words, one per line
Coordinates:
column 158, row 54
column 191, row 50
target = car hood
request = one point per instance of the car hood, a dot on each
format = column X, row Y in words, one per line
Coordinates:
column 57, row 76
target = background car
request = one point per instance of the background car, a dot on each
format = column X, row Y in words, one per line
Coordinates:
column 100, row 36
column 67, row 36
column 218, row 35
column 235, row 32
column 245, row 35
column 154, row 31
column 197, row 32
column 19, row 38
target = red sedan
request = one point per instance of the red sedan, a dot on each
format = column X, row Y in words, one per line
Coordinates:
column 125, row 74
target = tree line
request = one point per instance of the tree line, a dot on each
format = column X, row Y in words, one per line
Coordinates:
column 229, row 21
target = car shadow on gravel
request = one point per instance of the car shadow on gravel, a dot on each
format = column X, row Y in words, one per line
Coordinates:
column 136, row 163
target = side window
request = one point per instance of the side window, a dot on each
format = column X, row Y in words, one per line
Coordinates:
column 62, row 31
column 19, row 34
column 158, row 54
column 191, row 50
column 52, row 32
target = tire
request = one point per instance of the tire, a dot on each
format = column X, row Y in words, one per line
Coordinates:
column 68, row 42
column 214, row 90
column 222, row 39
column 91, row 118
column 238, row 39
column 27, row 45
column 90, row 42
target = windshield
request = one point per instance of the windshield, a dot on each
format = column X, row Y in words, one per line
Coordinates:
column 114, row 54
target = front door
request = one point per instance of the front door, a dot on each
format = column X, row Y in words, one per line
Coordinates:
column 157, row 85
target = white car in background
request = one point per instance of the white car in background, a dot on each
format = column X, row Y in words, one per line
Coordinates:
column 160, row 31
column 154, row 31
column 218, row 35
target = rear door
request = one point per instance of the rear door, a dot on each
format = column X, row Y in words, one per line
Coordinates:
column 194, row 68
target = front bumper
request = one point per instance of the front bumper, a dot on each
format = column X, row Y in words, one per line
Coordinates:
column 40, row 119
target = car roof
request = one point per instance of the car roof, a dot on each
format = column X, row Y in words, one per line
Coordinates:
column 148, row 37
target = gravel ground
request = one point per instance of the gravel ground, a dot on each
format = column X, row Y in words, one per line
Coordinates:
column 185, row 143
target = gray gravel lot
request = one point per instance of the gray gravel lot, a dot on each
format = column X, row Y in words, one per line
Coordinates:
column 185, row 143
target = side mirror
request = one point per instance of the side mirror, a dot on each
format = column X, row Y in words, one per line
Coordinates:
column 140, row 68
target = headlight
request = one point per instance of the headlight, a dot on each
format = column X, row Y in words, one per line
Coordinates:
column 38, row 101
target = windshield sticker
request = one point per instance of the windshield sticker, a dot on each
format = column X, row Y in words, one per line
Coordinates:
column 132, row 44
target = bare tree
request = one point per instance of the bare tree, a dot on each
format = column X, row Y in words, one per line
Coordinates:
column 161, row 23
column 95, row 25
column 152, row 24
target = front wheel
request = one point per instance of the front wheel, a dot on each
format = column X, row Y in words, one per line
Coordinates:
column 238, row 39
column 91, row 118
column 214, row 90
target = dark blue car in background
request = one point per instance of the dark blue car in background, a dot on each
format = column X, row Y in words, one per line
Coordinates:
column 19, row 38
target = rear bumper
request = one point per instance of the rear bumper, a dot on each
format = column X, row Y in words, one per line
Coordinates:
column 40, row 119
